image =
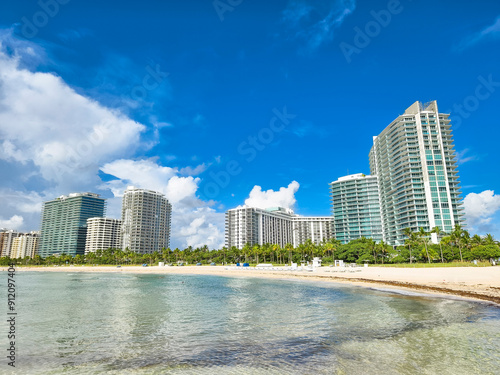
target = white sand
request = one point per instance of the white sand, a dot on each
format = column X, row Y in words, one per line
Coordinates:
column 470, row 282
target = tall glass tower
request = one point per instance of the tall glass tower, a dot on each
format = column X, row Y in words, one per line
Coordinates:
column 414, row 160
column 64, row 223
column 356, row 208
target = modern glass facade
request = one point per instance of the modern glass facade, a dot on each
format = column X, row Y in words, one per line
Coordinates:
column 414, row 160
column 64, row 223
column 356, row 208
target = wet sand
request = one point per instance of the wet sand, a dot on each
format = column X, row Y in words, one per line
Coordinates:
column 480, row 283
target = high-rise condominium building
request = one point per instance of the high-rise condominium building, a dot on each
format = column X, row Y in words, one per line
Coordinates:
column 314, row 228
column 146, row 219
column 7, row 238
column 414, row 160
column 356, row 208
column 103, row 233
column 275, row 225
column 257, row 226
column 64, row 223
column 26, row 245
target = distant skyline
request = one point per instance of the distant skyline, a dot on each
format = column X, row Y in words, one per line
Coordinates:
column 217, row 103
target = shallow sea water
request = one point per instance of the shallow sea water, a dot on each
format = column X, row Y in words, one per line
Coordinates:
column 92, row 323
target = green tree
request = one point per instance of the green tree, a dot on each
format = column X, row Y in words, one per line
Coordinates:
column 410, row 241
column 457, row 237
column 439, row 233
column 423, row 238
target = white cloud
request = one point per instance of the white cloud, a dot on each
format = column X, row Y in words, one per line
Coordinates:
column 23, row 206
column 199, row 169
column 462, row 158
column 15, row 222
column 284, row 197
column 141, row 173
column 480, row 210
column 58, row 140
column 492, row 31
column 64, row 134
column 52, row 139
column 314, row 22
column 194, row 222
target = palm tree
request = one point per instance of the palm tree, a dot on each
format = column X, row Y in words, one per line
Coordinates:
column 246, row 249
column 489, row 240
column 372, row 245
column 423, row 235
column 476, row 240
column 289, row 248
column 411, row 237
column 438, row 232
column 277, row 250
column 457, row 236
column 256, row 251
column 382, row 246
column 309, row 247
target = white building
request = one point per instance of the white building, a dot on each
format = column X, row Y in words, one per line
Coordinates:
column 6, row 241
column 275, row 225
column 103, row 233
column 415, row 162
column 146, row 219
column 25, row 245
column 315, row 228
column 356, row 208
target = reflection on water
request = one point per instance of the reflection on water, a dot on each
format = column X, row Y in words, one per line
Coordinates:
column 156, row 324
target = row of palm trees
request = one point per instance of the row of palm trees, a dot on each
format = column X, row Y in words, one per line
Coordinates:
column 417, row 247
column 458, row 238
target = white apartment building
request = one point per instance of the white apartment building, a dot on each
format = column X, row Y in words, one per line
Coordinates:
column 275, row 225
column 415, row 162
column 103, row 233
column 356, row 208
column 6, row 241
column 25, row 245
column 315, row 228
column 146, row 220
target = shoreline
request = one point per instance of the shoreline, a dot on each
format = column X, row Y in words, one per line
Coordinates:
column 479, row 284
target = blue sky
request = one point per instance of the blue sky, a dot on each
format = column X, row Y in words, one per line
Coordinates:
column 222, row 103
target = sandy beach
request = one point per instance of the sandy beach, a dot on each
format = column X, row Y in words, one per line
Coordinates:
column 480, row 283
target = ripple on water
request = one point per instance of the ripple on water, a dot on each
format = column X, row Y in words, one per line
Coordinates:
column 122, row 323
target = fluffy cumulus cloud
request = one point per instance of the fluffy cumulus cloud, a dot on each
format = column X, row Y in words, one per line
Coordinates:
column 52, row 139
column 284, row 197
column 64, row 134
column 194, row 222
column 15, row 222
column 55, row 141
column 314, row 22
column 480, row 211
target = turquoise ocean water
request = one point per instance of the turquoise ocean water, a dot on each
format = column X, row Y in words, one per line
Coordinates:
column 92, row 323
